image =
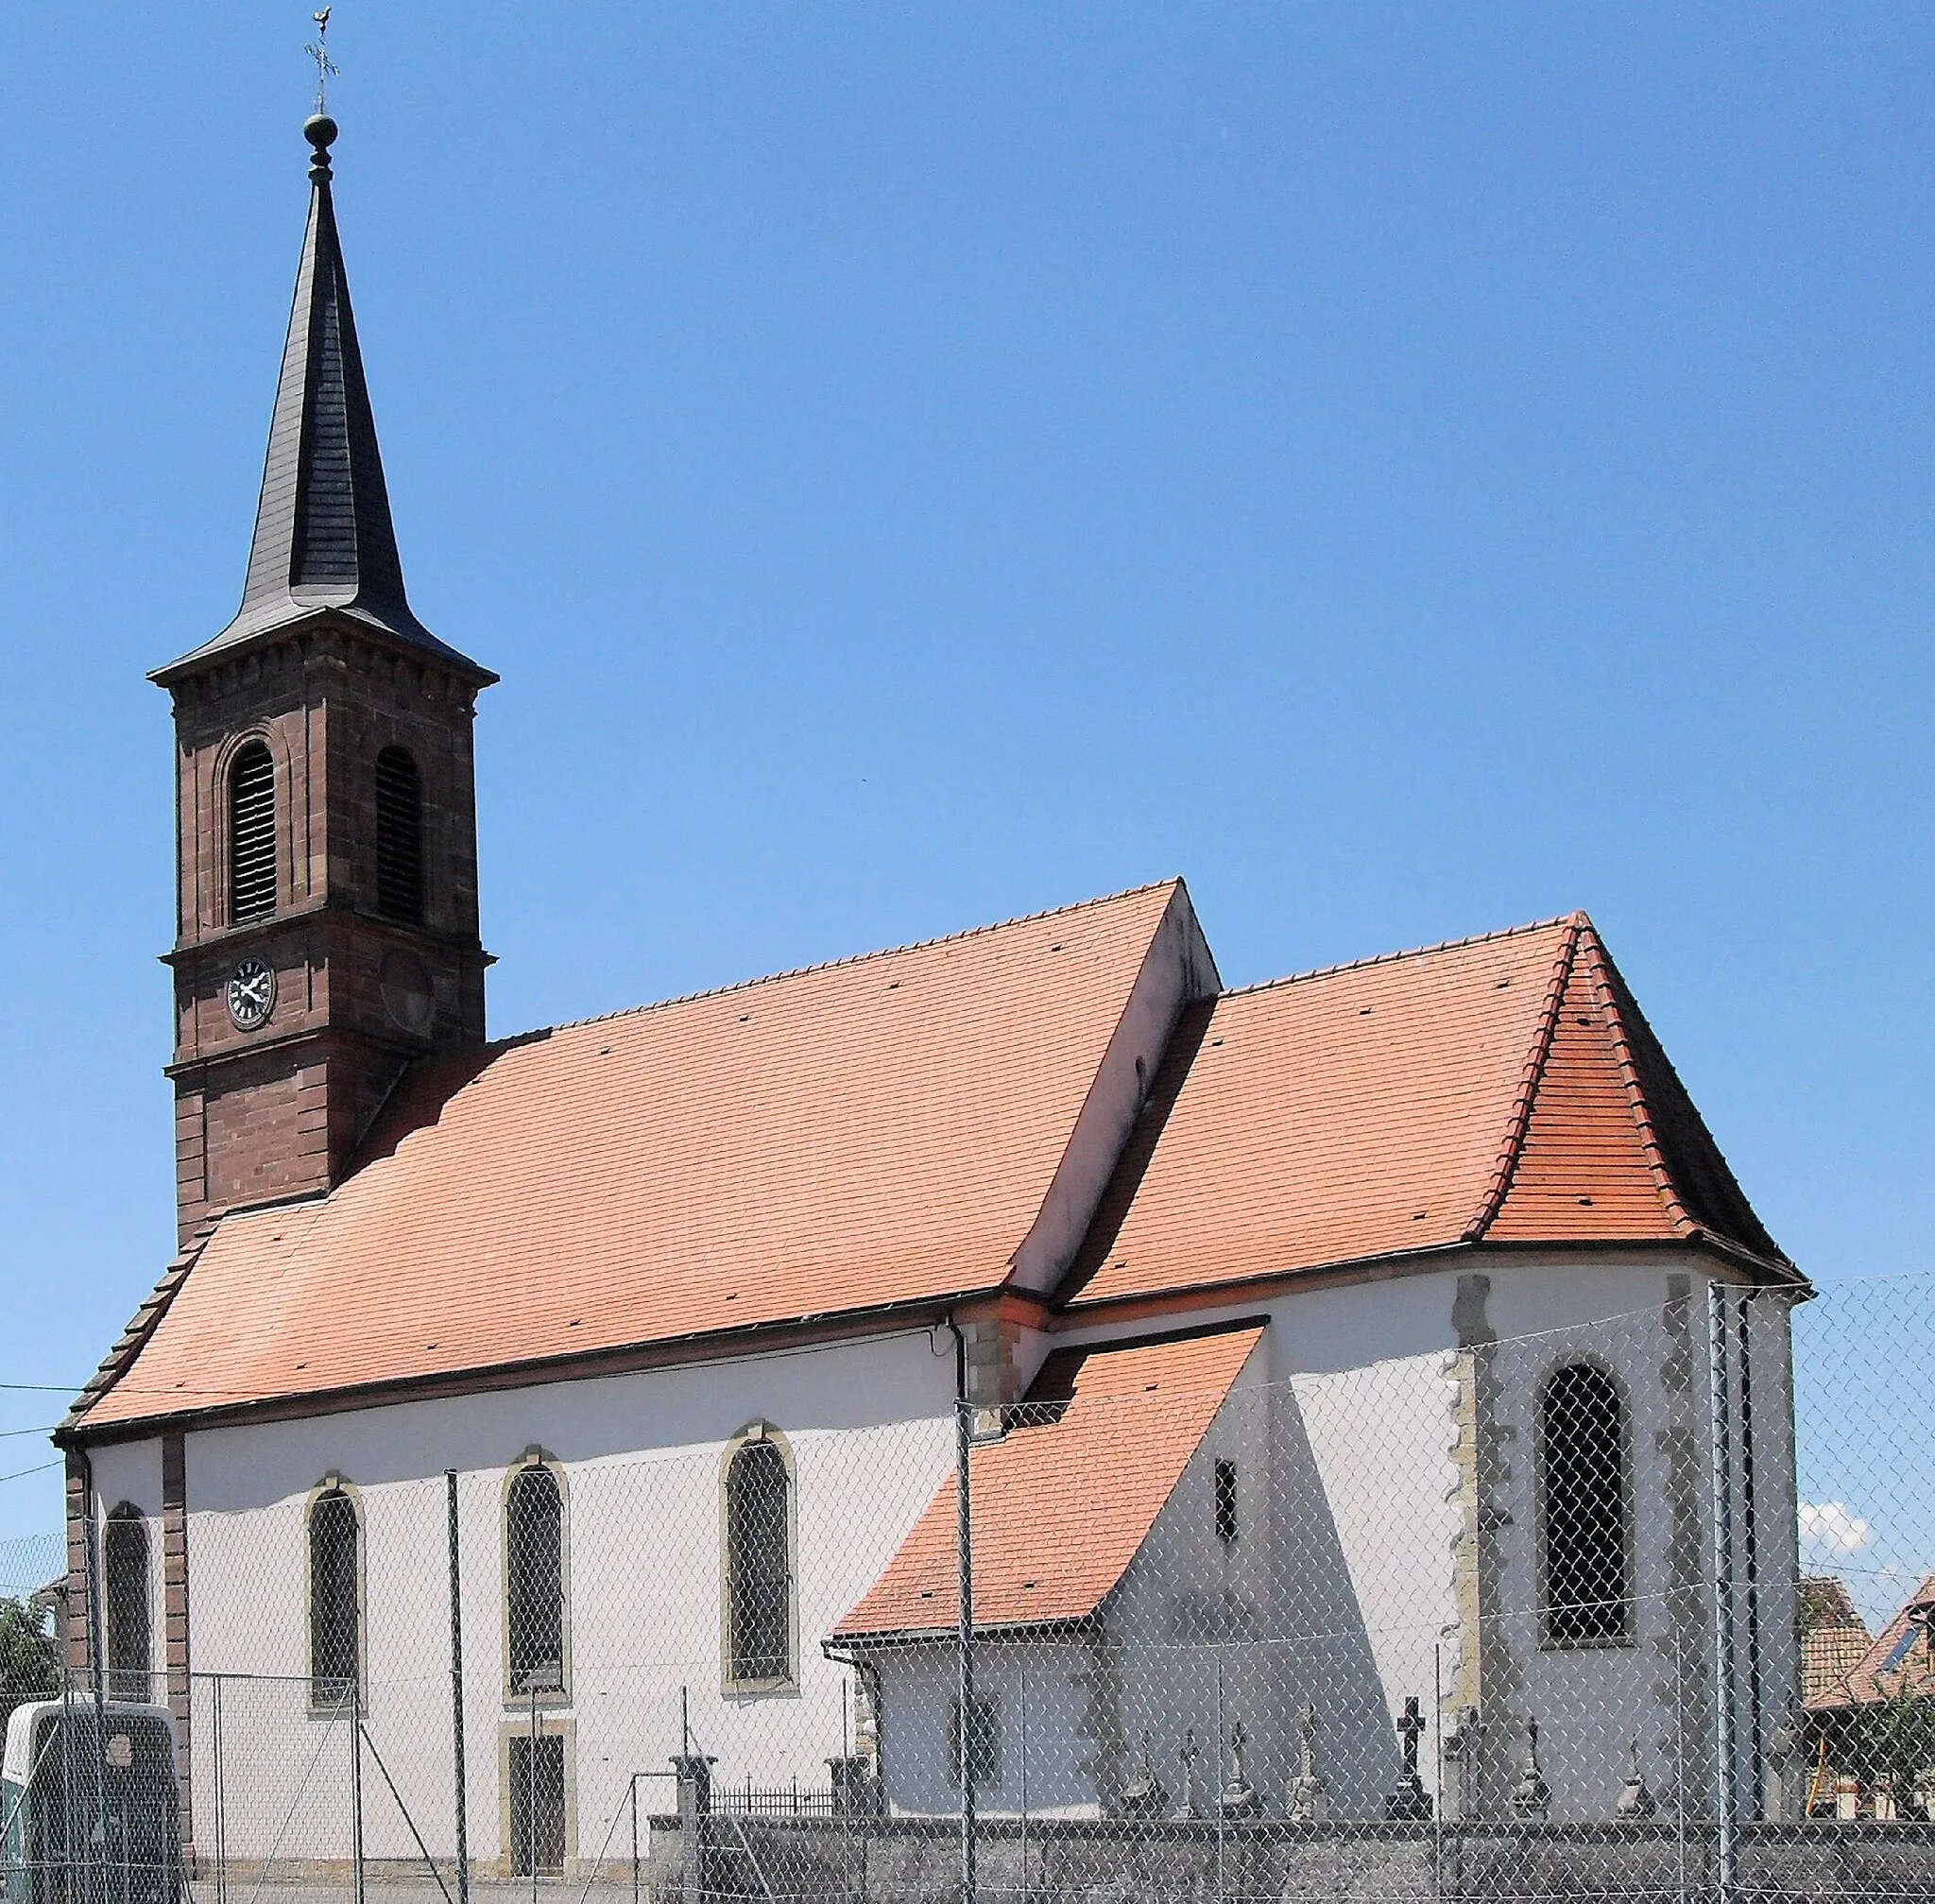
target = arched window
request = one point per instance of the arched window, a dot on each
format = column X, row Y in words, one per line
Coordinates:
column 1584, row 1508
column 251, row 834
column 124, row 1570
column 533, row 1582
column 399, row 836
column 759, row 1563
column 334, row 1596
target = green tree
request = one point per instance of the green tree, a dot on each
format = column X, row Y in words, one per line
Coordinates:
column 29, row 1659
column 1898, row 1744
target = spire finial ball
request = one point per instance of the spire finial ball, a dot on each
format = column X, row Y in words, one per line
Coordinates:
column 321, row 131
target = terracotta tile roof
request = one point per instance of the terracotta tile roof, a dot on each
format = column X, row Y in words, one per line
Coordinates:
column 1900, row 1661
column 1834, row 1640
column 880, row 1131
column 1062, row 1502
column 1503, row 1088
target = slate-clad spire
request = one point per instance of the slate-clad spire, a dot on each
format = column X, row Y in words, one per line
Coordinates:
column 323, row 536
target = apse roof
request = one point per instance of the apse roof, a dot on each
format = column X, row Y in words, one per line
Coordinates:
column 1503, row 1089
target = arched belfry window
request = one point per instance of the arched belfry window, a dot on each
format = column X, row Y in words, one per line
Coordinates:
column 1584, row 1508
column 335, row 1611
column 399, row 836
column 534, row 1579
column 759, row 1562
column 251, row 834
column 125, row 1578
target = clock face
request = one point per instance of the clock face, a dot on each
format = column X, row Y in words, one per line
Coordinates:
column 251, row 993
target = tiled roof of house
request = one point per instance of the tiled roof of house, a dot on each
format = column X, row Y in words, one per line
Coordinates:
column 1834, row 1640
column 1900, row 1661
column 1063, row 1503
column 855, row 1136
column 1503, row 1090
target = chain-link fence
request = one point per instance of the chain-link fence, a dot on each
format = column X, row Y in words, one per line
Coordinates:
column 1626, row 1609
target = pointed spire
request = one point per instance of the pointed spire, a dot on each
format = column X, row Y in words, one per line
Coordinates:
column 323, row 536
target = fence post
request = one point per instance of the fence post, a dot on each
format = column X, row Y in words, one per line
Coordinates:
column 1024, row 1779
column 356, row 1785
column 97, row 1649
column 964, row 1555
column 457, row 1689
column 1720, row 1454
column 531, row 1791
column 1216, row 1776
column 221, row 1796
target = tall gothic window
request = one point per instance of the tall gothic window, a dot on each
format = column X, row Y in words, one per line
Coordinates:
column 759, row 1563
column 125, row 1576
column 334, row 1597
column 1585, row 1507
column 251, row 834
column 533, row 1584
column 399, row 836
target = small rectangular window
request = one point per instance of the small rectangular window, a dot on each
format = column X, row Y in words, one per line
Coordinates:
column 1225, row 1502
column 984, row 1746
column 537, row 1804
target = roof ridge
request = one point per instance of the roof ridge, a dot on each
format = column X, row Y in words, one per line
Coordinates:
column 1575, row 917
column 1532, row 1075
column 830, row 965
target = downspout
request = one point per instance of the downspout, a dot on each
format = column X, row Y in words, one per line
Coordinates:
column 1750, row 1540
column 96, row 1642
column 964, row 1560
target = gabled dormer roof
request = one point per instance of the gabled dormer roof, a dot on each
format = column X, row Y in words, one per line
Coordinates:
column 323, row 535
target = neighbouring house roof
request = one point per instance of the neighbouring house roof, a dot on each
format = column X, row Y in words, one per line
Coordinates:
column 1898, row 1661
column 1061, row 1504
column 1834, row 1640
column 1503, row 1089
column 855, row 1136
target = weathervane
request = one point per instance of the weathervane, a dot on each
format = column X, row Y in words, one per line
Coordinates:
column 319, row 51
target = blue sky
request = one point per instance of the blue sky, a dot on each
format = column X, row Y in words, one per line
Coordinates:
column 1409, row 470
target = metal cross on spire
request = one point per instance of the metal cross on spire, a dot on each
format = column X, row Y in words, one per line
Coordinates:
column 318, row 50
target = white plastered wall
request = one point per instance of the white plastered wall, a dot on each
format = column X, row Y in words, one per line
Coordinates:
column 868, row 1426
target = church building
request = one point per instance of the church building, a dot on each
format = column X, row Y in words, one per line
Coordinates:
column 1334, row 1351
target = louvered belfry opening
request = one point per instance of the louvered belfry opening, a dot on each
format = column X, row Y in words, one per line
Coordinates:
column 399, row 836
column 251, row 835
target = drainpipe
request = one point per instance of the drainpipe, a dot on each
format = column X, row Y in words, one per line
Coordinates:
column 96, row 1645
column 1750, row 1538
column 964, row 1557
column 1720, row 1456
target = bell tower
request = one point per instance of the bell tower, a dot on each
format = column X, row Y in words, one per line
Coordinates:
column 327, row 929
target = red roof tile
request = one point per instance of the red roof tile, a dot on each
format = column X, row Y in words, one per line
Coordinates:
column 880, row 1131
column 1501, row 1088
column 1062, row 1503
column 1899, row 1663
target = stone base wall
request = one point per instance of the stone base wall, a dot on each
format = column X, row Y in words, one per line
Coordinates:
column 902, row 1861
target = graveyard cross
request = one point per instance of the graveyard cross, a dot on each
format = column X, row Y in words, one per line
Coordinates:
column 1306, row 1788
column 1239, row 1796
column 1187, row 1755
column 1409, row 1800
